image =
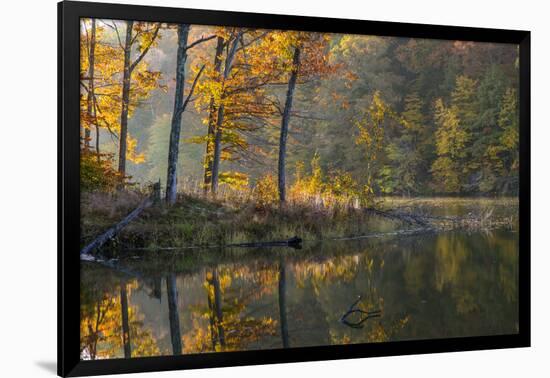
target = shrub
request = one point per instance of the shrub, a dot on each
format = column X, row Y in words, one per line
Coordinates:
column 97, row 173
column 266, row 191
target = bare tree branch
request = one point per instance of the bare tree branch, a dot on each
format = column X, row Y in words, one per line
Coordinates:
column 115, row 28
column 201, row 40
column 187, row 99
column 146, row 49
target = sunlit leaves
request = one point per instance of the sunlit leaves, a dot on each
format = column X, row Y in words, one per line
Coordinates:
column 108, row 68
column 451, row 136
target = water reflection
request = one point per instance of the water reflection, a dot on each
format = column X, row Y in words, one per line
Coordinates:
column 282, row 304
column 125, row 323
column 173, row 313
column 428, row 286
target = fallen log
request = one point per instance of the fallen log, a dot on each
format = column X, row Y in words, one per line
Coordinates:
column 86, row 252
column 294, row 242
column 111, row 232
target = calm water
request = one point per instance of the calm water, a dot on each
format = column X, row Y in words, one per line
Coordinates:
column 425, row 286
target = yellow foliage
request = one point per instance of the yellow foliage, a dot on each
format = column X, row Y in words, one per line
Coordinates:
column 132, row 155
column 266, row 191
column 235, row 180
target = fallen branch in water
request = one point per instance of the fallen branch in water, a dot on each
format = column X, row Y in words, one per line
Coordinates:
column 414, row 231
column 484, row 220
column 408, row 218
column 353, row 310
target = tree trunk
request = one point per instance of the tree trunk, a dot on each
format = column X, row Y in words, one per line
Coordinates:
column 175, row 131
column 97, row 141
column 212, row 122
column 125, row 99
column 219, row 123
column 90, row 97
column 217, row 151
column 173, row 313
column 125, row 322
column 282, row 304
column 284, row 124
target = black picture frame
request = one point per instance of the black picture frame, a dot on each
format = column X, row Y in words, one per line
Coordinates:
column 69, row 14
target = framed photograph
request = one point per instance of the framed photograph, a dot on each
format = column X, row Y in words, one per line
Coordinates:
column 239, row 188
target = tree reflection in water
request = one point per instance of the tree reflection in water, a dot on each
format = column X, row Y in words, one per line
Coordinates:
column 282, row 304
column 173, row 313
column 429, row 286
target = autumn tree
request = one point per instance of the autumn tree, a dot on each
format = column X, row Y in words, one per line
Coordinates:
column 179, row 107
column 99, row 68
column 233, row 93
column 371, row 132
column 98, row 105
column 230, row 51
column 309, row 60
column 90, row 107
column 212, row 107
column 139, row 36
column 451, row 138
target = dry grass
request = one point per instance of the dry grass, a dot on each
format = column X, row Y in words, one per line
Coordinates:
column 198, row 220
column 236, row 216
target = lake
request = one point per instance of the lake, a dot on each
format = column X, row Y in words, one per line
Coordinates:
column 424, row 286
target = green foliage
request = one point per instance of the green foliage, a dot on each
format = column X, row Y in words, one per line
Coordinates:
column 371, row 135
column 447, row 175
column 509, row 120
column 464, row 101
column 335, row 189
column 451, row 139
column 341, row 186
column 404, row 168
column 413, row 116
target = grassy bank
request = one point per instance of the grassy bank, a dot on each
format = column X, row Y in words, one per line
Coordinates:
column 198, row 221
column 195, row 220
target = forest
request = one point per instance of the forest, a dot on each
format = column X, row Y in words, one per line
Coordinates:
column 247, row 131
column 246, row 189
